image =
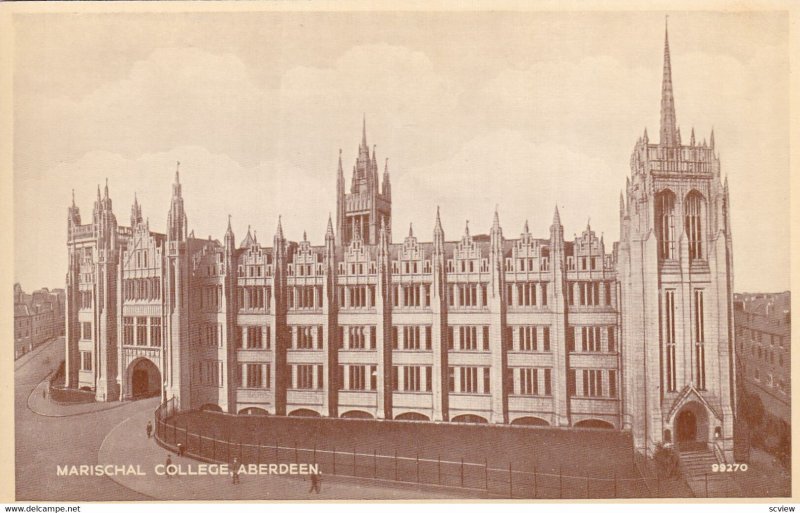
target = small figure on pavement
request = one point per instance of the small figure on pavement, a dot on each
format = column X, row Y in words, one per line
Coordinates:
column 149, row 428
column 235, row 471
column 167, row 465
column 316, row 483
column 181, row 449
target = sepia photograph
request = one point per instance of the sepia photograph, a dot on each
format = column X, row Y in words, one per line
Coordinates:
column 291, row 252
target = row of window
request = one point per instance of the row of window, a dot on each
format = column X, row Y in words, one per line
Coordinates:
column 589, row 293
column 526, row 294
column 592, row 339
column 253, row 297
column 135, row 331
column 467, row 295
column 591, row 383
column 210, row 297
column 667, row 335
column 135, row 289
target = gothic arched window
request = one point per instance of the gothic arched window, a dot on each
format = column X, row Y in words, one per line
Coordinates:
column 665, row 224
column 692, row 217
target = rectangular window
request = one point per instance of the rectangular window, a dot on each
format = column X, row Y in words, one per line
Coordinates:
column 127, row 331
column 469, row 380
column 486, row 338
column 612, row 383
column 155, row 331
column 699, row 340
column 487, row 380
column 411, row 379
column 546, row 338
column 450, row 338
column 358, row 377
column 667, row 329
column 548, row 386
column 571, row 339
column 254, row 375
column 428, row 378
column 372, row 337
column 428, row 338
column 141, row 331
column 87, row 330
column 612, row 341
column 395, row 378
column 86, row 360
column 571, row 383
column 451, row 379
column 305, row 376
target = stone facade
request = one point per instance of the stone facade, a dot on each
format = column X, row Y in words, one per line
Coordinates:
column 763, row 344
column 483, row 328
column 38, row 317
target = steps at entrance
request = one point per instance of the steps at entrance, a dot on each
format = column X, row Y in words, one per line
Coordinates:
column 696, row 467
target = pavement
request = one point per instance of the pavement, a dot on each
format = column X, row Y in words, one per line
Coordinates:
column 127, row 444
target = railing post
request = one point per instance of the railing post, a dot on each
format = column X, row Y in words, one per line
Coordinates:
column 706, row 479
column 315, row 451
column 258, row 454
column 354, row 462
column 417, row 467
column 462, row 472
column 374, row 463
column 276, row 450
column 587, row 485
column 486, row 473
column 615, row 483
column 439, row 469
column 295, row 453
column 334, row 460
column 510, row 481
column 241, row 454
column 228, row 446
column 534, row 482
column 560, row 484
column 214, row 457
column 395, row 465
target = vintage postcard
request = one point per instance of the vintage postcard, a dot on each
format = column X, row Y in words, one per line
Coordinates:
column 303, row 252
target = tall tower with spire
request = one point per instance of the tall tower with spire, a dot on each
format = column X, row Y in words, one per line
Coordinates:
column 676, row 278
column 360, row 213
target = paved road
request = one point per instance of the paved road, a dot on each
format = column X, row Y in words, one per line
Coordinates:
column 43, row 442
column 48, row 435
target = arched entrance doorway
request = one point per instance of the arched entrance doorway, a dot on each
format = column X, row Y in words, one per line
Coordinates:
column 686, row 426
column 145, row 379
column 691, row 427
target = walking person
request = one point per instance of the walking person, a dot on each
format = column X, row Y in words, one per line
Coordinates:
column 235, row 471
column 149, row 428
column 316, row 483
column 167, row 465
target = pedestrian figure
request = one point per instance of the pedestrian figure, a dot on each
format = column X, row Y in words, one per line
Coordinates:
column 235, row 471
column 149, row 428
column 316, row 484
column 180, row 449
column 167, row 465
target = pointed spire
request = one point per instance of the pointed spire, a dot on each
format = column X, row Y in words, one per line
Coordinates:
column 73, row 197
column 525, row 228
column 178, row 172
column 466, row 229
column 340, row 170
column 279, row 230
column 410, row 229
column 644, row 137
column 305, row 237
column 329, row 235
column 229, row 242
column 496, row 219
column 438, row 226
column 364, row 134
column 621, row 202
column 668, row 131
column 255, row 237
column 106, row 189
column 711, row 143
column 691, row 139
column 231, row 229
column 589, row 224
column 386, row 166
column 556, row 218
column 98, row 192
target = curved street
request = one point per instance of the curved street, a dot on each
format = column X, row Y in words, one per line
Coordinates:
column 50, row 434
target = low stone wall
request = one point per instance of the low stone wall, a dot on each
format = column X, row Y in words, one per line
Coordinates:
column 70, row 395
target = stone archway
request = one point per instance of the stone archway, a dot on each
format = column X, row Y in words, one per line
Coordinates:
column 144, row 379
column 691, row 426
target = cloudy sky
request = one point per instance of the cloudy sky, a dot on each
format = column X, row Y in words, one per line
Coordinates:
column 520, row 110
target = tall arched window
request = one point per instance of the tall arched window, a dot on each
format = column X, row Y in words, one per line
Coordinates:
column 692, row 218
column 665, row 224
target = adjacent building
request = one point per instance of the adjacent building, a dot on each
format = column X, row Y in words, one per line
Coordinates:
column 38, row 317
column 763, row 343
column 536, row 330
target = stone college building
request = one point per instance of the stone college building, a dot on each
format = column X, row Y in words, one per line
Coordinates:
column 474, row 328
